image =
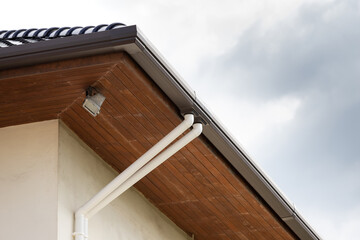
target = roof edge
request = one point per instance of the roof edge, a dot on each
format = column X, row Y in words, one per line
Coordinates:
column 67, row 47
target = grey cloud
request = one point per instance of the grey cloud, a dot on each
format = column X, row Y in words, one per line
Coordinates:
column 308, row 51
column 314, row 57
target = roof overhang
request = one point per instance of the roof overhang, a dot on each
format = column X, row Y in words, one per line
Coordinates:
column 132, row 41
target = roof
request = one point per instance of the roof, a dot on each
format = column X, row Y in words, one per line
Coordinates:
column 10, row 38
column 130, row 40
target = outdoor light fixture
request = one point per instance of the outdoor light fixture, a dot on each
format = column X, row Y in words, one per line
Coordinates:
column 93, row 101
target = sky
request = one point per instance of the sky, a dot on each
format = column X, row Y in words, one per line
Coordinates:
column 283, row 76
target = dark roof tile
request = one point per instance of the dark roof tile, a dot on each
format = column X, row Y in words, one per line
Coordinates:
column 10, row 38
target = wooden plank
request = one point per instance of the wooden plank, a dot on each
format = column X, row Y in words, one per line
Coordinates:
column 27, row 119
column 207, row 169
column 106, row 59
column 242, row 193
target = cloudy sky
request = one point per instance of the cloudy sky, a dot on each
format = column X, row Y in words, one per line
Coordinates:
column 283, row 76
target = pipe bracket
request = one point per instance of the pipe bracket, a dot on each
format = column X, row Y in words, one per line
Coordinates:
column 198, row 118
column 80, row 234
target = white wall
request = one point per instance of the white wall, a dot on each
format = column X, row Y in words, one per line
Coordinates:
column 28, row 181
column 47, row 172
column 81, row 175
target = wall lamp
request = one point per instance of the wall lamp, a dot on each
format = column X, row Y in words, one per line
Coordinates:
column 93, row 101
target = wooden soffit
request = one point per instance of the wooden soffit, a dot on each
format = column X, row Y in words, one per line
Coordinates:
column 197, row 188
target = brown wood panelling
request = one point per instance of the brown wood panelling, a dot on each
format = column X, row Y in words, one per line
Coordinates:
column 41, row 92
column 196, row 188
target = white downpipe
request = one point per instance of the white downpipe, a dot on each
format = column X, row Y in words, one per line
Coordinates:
column 81, row 215
column 162, row 157
column 80, row 227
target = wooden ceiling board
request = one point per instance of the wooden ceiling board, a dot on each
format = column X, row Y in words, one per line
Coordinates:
column 42, row 92
column 197, row 188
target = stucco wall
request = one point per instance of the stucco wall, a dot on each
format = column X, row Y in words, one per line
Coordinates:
column 81, row 175
column 28, row 181
column 46, row 173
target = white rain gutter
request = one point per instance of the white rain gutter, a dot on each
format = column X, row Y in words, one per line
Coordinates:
column 136, row 171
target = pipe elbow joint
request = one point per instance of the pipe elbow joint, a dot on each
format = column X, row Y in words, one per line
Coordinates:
column 197, row 128
column 79, row 213
column 189, row 120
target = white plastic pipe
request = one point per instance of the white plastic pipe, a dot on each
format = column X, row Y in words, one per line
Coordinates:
column 81, row 229
column 162, row 157
column 80, row 215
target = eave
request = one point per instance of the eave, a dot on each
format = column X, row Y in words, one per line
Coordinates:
column 130, row 40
